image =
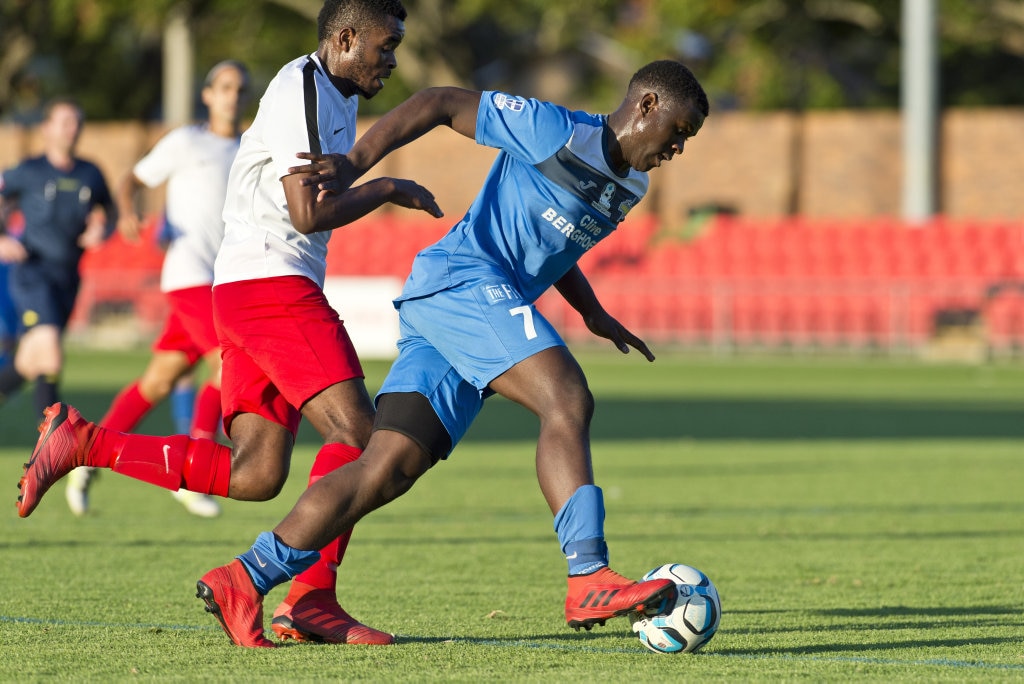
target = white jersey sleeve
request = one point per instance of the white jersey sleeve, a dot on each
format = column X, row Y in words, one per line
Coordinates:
column 194, row 163
column 301, row 111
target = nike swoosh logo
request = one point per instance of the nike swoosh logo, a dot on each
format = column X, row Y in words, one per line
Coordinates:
column 260, row 562
column 574, row 554
column 167, row 454
column 338, row 130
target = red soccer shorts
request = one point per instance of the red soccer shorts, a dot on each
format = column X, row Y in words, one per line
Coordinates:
column 189, row 326
column 281, row 343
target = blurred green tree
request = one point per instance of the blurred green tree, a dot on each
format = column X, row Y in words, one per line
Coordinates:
column 753, row 54
column 797, row 54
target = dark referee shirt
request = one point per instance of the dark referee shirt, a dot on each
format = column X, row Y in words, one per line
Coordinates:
column 55, row 204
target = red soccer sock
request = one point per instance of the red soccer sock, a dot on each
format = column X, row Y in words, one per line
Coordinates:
column 206, row 417
column 324, row 573
column 128, row 409
column 176, row 462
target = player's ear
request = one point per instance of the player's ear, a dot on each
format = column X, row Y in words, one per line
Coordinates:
column 648, row 103
column 346, row 38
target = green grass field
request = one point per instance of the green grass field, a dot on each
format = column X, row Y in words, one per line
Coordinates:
column 861, row 519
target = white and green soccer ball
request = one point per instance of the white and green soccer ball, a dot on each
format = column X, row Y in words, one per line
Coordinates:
column 686, row 620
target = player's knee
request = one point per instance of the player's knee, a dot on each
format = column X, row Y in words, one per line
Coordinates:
column 574, row 406
column 342, row 413
column 356, row 432
column 395, row 486
column 260, row 456
column 249, row 484
column 391, row 476
column 155, row 388
column 257, row 476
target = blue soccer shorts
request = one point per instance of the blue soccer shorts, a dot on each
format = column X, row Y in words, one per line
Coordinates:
column 454, row 342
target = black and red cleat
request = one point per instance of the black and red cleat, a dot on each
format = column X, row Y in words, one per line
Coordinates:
column 605, row 594
column 62, row 446
column 231, row 597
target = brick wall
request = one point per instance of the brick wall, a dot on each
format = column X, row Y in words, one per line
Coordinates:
column 983, row 163
column 824, row 164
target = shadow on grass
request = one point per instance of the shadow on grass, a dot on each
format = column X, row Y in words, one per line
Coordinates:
column 883, row 619
column 810, row 627
column 580, row 639
column 889, row 645
column 888, row 611
column 385, row 543
column 157, row 542
column 682, row 418
column 768, row 419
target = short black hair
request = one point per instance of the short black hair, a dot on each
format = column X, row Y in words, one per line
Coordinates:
column 670, row 77
column 337, row 14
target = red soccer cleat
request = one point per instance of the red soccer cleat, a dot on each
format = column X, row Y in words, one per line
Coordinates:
column 605, row 594
column 62, row 446
column 311, row 614
column 232, row 598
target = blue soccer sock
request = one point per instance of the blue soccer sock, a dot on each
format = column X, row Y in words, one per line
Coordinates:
column 183, row 399
column 580, row 529
column 271, row 562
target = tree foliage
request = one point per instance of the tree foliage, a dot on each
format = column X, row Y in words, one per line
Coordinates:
column 753, row 54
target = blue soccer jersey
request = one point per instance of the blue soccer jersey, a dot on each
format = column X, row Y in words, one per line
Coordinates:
column 466, row 312
column 550, row 196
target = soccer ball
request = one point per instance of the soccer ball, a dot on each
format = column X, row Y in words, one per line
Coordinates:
column 686, row 620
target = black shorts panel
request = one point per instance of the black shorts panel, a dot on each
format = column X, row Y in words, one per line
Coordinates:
column 410, row 414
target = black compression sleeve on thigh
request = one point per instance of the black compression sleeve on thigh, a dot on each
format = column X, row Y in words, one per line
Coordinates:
column 412, row 415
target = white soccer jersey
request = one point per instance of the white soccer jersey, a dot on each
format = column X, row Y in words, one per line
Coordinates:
column 301, row 111
column 195, row 163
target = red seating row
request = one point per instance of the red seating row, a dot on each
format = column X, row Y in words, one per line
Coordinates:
column 797, row 282
column 123, row 277
column 382, row 245
column 732, row 248
column 735, row 280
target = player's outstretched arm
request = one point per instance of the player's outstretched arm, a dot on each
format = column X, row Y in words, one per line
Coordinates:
column 576, row 290
column 444, row 106
column 313, row 211
column 101, row 221
column 128, row 222
column 339, row 202
column 424, row 111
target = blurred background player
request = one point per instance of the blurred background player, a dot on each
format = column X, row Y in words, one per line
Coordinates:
column 286, row 353
column 562, row 182
column 183, row 395
column 67, row 208
column 8, row 318
column 194, row 161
